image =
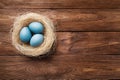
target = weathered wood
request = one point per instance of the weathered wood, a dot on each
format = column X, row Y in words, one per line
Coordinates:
column 60, row 67
column 69, row 19
column 79, row 54
column 60, row 4
column 77, row 43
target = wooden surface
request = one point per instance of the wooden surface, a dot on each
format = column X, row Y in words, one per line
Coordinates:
column 88, row 40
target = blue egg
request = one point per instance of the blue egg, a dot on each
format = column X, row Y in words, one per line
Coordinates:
column 36, row 40
column 36, row 27
column 25, row 34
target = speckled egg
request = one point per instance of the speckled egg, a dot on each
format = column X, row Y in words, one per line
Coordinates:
column 36, row 27
column 25, row 35
column 36, row 40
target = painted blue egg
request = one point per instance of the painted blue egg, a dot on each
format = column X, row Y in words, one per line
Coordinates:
column 25, row 34
column 36, row 27
column 36, row 40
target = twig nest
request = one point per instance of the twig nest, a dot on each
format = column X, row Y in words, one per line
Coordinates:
column 49, row 34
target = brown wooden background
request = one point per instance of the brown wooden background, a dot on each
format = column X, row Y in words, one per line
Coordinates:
column 88, row 38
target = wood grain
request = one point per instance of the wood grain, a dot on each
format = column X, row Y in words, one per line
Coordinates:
column 88, row 40
column 60, row 67
column 69, row 19
column 79, row 55
column 74, row 43
column 101, row 4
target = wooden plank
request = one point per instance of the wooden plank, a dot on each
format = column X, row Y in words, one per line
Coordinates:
column 60, row 4
column 69, row 20
column 60, row 67
column 76, row 43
